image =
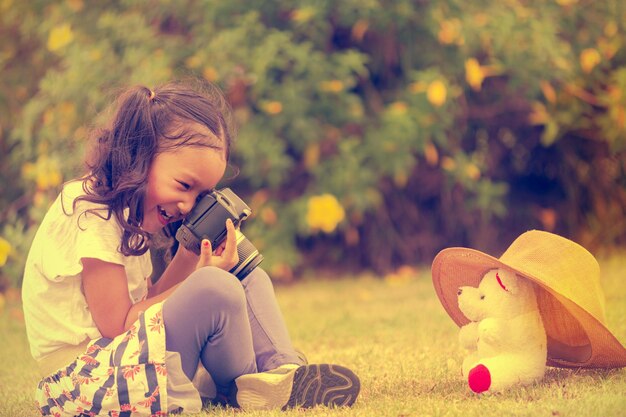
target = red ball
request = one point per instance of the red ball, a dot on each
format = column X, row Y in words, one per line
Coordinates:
column 479, row 379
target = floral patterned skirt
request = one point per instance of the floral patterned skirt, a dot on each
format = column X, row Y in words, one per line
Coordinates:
column 123, row 376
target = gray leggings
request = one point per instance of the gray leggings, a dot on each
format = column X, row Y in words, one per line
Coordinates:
column 234, row 327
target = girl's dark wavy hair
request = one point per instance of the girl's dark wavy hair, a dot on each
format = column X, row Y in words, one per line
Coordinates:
column 145, row 123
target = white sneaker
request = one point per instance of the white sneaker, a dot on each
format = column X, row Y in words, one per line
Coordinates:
column 290, row 386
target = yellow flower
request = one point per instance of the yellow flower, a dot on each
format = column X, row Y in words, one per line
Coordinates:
column 332, row 86
column 589, row 58
column 194, row 61
column 359, row 29
column 539, row 114
column 472, row 171
column 474, row 73
column 40, row 199
column 450, row 31
column 6, row 5
column 95, row 54
column 400, row 179
column 324, row 213
column 50, row 179
column 548, row 91
column 448, row 163
column 303, row 14
column 5, row 249
column 271, row 107
column 618, row 113
column 398, row 108
column 28, row 169
column 268, row 215
column 431, row 154
column 311, row 155
column 210, row 74
column 436, row 93
column 75, row 5
column 66, row 112
column 60, row 36
column 45, row 172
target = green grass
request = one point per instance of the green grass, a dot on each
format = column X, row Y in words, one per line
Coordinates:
column 397, row 337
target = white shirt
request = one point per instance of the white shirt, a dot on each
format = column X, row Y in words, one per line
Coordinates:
column 55, row 309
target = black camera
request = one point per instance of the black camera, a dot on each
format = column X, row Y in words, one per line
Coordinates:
column 207, row 220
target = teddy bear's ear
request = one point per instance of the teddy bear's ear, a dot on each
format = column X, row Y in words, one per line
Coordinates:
column 507, row 280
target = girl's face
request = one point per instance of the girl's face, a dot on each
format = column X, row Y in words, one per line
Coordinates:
column 175, row 179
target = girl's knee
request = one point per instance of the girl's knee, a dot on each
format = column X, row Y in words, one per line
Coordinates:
column 215, row 288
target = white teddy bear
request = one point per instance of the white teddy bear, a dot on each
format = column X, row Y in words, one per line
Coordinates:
column 505, row 336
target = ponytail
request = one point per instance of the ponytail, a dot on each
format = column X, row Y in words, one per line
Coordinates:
column 119, row 166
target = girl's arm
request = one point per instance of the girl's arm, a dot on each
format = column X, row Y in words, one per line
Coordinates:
column 106, row 290
column 106, row 286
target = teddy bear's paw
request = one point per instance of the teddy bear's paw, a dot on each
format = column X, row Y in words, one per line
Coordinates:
column 468, row 336
column 479, row 378
column 490, row 331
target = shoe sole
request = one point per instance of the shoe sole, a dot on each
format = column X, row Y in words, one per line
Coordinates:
column 304, row 387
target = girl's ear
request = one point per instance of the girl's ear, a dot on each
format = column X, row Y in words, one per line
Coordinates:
column 507, row 280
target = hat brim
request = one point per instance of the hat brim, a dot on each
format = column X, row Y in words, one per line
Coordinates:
column 456, row 267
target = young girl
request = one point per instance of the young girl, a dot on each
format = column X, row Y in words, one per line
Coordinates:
column 107, row 340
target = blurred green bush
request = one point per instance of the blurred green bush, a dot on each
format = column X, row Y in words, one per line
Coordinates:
column 372, row 133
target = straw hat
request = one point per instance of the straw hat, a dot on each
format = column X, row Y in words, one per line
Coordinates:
column 567, row 282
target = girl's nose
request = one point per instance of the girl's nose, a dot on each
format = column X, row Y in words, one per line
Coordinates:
column 186, row 205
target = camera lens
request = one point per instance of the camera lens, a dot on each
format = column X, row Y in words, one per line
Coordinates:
column 249, row 256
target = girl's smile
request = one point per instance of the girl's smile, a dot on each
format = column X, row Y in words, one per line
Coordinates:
column 164, row 218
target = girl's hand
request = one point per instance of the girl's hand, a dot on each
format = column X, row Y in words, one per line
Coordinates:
column 225, row 256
